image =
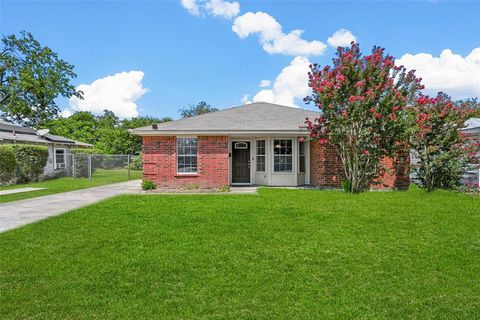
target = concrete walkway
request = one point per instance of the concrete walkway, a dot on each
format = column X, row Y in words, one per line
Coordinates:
column 18, row 213
column 19, row 190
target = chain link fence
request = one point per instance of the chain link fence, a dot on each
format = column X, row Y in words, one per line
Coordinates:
column 107, row 167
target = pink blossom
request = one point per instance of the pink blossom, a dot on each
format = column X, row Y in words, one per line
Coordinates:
column 354, row 99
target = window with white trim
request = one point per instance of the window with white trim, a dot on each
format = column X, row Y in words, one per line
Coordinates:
column 59, row 158
column 187, row 155
column 260, row 155
column 282, row 155
column 301, row 156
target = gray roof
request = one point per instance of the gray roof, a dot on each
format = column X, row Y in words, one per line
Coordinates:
column 472, row 123
column 59, row 139
column 9, row 127
column 254, row 117
column 15, row 132
column 30, row 138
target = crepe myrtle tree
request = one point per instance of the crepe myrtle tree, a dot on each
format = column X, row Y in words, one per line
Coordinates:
column 363, row 110
column 444, row 151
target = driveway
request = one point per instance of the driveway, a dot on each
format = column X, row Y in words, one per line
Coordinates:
column 18, row 213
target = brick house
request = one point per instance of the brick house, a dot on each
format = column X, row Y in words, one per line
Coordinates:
column 254, row 144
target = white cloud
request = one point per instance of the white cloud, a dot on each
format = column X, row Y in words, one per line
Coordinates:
column 272, row 38
column 341, row 38
column 223, row 9
column 117, row 93
column 450, row 72
column 246, row 99
column 265, row 83
column 66, row 113
column 191, row 6
column 290, row 84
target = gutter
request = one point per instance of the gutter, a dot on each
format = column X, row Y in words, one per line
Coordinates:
column 215, row 132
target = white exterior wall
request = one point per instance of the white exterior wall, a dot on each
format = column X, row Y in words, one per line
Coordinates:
column 269, row 177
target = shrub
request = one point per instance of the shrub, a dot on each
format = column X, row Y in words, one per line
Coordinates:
column 347, row 186
column 148, row 185
column 31, row 161
column 444, row 151
column 85, row 151
column 7, row 164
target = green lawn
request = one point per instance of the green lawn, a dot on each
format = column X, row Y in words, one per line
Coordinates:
column 100, row 177
column 282, row 254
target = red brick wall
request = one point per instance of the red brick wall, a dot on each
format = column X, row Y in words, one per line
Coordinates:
column 326, row 169
column 325, row 166
column 159, row 162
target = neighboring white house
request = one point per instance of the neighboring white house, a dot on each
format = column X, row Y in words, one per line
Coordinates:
column 472, row 127
column 58, row 147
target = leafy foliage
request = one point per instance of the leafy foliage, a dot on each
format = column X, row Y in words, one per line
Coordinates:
column 106, row 132
column 148, row 185
column 7, row 164
column 444, row 151
column 31, row 78
column 31, row 161
column 363, row 102
column 194, row 110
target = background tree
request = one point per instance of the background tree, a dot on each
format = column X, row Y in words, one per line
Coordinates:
column 444, row 151
column 106, row 132
column 194, row 110
column 31, row 78
column 472, row 105
column 363, row 102
column 81, row 126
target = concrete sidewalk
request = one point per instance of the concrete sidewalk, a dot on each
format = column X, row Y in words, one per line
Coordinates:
column 18, row 213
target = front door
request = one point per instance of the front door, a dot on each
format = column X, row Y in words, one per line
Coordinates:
column 241, row 162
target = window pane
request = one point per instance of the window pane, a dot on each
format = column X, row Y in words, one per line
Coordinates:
column 301, row 156
column 187, row 155
column 260, row 163
column 260, row 147
column 282, row 155
column 60, row 156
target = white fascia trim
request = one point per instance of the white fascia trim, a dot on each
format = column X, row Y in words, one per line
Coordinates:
column 216, row 133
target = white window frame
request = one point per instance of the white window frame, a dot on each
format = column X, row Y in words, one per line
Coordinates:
column 55, row 158
column 273, row 156
column 261, row 155
column 189, row 155
column 304, row 157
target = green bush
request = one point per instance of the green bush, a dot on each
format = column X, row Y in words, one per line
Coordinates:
column 347, row 185
column 31, row 161
column 85, row 151
column 7, row 164
column 148, row 185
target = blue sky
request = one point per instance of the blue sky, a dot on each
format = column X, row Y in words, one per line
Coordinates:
column 183, row 58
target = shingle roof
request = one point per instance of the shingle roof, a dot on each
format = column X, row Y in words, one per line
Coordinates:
column 9, row 127
column 254, row 117
column 30, row 138
column 472, row 123
column 60, row 139
column 30, row 135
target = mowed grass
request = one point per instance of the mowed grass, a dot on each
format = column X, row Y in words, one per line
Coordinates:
column 100, row 177
column 282, row 254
